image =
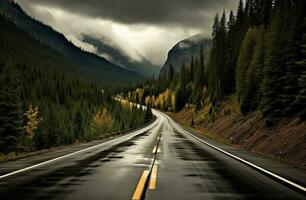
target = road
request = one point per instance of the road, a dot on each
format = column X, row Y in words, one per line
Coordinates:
column 160, row 161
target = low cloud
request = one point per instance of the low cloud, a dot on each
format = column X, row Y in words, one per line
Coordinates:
column 147, row 27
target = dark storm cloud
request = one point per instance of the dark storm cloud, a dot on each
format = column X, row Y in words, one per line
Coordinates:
column 191, row 13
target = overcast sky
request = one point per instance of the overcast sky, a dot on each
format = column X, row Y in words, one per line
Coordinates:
column 146, row 27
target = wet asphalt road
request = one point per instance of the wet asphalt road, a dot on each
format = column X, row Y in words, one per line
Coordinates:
column 185, row 169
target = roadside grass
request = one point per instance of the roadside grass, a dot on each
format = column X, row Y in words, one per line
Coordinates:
column 20, row 155
column 16, row 156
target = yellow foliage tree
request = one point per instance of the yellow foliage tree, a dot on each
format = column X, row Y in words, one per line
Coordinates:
column 168, row 102
column 173, row 99
column 31, row 120
column 148, row 101
column 101, row 123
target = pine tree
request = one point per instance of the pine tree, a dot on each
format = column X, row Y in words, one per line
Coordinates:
column 262, row 13
column 222, row 47
column 213, row 81
column 231, row 61
column 171, row 73
column 10, row 109
column 184, row 76
column 53, row 127
column 198, row 98
column 201, row 69
column 301, row 62
column 301, row 98
column 244, row 60
column 240, row 13
column 199, row 80
column 275, row 63
column 240, row 28
column 254, row 75
column 191, row 69
column 293, row 55
column 217, row 61
column 249, row 10
column 78, row 125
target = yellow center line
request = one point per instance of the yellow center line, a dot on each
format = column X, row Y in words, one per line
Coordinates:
column 154, row 150
column 153, row 178
column 140, row 187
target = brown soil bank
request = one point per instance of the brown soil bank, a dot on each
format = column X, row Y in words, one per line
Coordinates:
column 285, row 141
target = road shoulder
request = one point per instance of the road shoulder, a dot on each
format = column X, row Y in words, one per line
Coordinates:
column 293, row 173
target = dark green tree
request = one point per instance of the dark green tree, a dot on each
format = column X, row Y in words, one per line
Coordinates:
column 231, row 60
column 10, row 109
column 275, row 62
column 254, row 75
column 294, row 54
column 244, row 60
column 212, row 71
column 262, row 13
column 78, row 125
column 171, row 73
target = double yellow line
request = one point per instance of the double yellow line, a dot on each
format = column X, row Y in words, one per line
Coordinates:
column 141, row 184
column 140, row 189
column 152, row 184
column 156, row 150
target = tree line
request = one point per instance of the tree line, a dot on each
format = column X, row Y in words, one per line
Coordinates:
column 258, row 56
column 42, row 105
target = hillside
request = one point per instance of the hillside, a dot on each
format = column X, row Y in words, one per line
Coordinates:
column 45, row 102
column 183, row 51
column 89, row 65
column 18, row 47
column 286, row 141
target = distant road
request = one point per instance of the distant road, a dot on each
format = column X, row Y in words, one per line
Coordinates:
column 161, row 161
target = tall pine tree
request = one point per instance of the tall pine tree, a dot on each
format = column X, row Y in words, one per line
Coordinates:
column 10, row 109
column 275, row 62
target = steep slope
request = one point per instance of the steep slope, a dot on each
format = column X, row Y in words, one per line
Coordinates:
column 88, row 64
column 286, row 141
column 115, row 54
column 18, row 47
column 39, row 86
column 183, row 51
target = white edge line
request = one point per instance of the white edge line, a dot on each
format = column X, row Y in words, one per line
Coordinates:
column 77, row 152
column 244, row 161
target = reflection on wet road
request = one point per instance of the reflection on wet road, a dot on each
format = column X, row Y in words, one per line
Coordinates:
column 156, row 162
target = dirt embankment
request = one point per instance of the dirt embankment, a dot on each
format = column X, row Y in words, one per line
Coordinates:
column 285, row 141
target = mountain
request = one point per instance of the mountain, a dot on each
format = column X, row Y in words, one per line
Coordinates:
column 113, row 53
column 18, row 48
column 91, row 66
column 183, row 51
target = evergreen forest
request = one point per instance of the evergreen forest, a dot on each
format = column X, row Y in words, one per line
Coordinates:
column 44, row 103
column 258, row 57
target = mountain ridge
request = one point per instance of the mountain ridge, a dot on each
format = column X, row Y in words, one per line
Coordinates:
column 182, row 52
column 90, row 65
column 115, row 54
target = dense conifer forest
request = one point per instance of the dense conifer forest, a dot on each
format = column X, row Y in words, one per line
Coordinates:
column 258, row 57
column 45, row 103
